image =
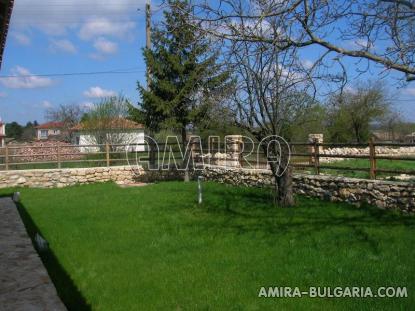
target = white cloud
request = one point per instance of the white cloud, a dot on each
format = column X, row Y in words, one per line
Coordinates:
column 21, row 78
column 350, row 89
column 102, row 26
column 409, row 91
column 105, row 46
column 87, row 105
column 56, row 18
column 308, row 64
column 359, row 44
column 96, row 56
column 62, row 45
column 21, row 38
column 98, row 92
column 46, row 104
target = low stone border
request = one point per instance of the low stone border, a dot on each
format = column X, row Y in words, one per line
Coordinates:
column 384, row 194
column 380, row 193
column 58, row 178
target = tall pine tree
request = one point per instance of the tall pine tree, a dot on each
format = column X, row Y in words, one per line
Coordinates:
column 183, row 74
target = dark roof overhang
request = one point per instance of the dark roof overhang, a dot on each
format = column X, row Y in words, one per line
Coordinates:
column 6, row 8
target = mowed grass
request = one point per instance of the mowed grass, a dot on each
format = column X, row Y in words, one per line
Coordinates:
column 154, row 248
column 403, row 165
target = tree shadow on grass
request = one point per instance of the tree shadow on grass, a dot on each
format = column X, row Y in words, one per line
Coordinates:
column 67, row 290
column 244, row 211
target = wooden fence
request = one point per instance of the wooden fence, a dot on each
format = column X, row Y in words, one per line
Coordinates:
column 304, row 157
column 372, row 158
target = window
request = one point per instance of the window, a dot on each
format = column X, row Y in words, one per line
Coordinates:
column 43, row 133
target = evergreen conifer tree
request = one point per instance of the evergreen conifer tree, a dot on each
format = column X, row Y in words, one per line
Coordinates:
column 183, row 74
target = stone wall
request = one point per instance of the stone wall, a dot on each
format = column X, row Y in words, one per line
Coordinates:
column 42, row 151
column 383, row 194
column 379, row 150
column 51, row 178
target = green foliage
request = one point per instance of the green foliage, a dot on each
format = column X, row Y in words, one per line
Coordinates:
column 155, row 248
column 309, row 120
column 352, row 112
column 14, row 130
column 19, row 132
column 183, row 75
column 104, row 113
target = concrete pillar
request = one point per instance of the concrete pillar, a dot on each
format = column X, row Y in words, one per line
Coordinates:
column 233, row 145
column 316, row 137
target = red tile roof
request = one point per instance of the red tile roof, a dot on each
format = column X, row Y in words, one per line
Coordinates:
column 120, row 123
column 50, row 125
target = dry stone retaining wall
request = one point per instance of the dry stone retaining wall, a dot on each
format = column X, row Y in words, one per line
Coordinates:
column 42, row 151
column 51, row 178
column 383, row 194
column 379, row 150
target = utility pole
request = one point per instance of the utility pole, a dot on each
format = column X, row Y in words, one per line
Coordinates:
column 152, row 147
column 148, row 37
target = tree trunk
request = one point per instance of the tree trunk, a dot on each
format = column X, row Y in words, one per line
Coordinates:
column 285, row 195
column 152, row 152
column 184, row 145
column 283, row 186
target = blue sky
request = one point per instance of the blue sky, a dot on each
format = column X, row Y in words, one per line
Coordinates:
column 69, row 36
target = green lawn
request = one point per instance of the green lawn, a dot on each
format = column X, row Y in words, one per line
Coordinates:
column 154, row 248
column 364, row 163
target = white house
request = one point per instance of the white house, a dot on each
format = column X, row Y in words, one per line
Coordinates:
column 49, row 130
column 121, row 133
column 2, row 134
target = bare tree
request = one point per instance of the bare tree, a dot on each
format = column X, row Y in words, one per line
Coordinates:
column 106, row 123
column 69, row 115
column 352, row 112
column 273, row 89
column 375, row 31
column 391, row 123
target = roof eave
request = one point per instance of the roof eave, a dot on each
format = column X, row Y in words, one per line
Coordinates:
column 5, row 27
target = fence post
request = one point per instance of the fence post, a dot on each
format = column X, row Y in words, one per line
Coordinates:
column 6, row 157
column 58, row 154
column 107, row 153
column 316, row 156
column 372, row 159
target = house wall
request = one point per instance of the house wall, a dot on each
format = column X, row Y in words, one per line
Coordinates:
column 51, row 132
column 129, row 138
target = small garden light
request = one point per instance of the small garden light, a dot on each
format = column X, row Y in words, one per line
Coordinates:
column 199, row 188
column 41, row 243
column 16, row 197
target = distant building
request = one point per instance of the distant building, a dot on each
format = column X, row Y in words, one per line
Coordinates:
column 49, row 130
column 117, row 131
column 387, row 136
column 2, row 134
column 410, row 138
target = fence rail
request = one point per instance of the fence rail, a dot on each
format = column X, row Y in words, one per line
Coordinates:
column 306, row 156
